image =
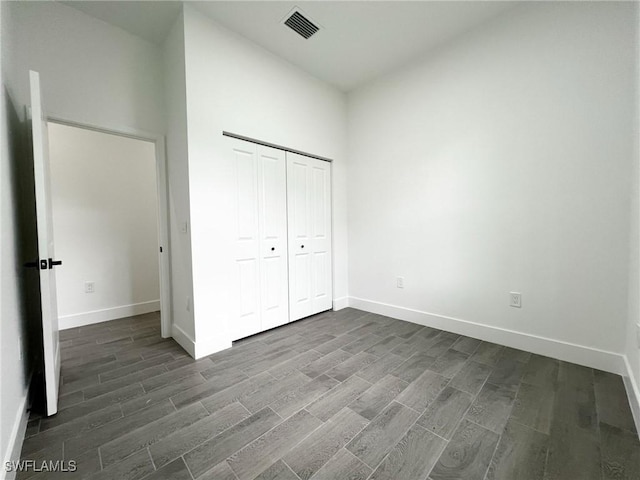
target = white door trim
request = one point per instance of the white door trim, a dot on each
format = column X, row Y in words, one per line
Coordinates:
column 163, row 204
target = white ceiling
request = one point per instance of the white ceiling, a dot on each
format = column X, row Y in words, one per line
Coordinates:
column 358, row 41
column 148, row 19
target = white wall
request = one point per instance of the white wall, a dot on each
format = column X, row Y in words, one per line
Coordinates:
column 105, row 222
column 91, row 72
column 500, row 163
column 178, row 174
column 236, row 86
column 95, row 73
column 13, row 320
column 632, row 349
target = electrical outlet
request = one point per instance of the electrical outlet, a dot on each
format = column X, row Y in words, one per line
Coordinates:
column 89, row 287
column 184, row 227
column 188, row 304
column 400, row 282
column 515, row 299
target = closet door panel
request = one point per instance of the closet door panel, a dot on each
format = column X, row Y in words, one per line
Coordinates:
column 321, row 287
column 247, row 195
column 321, row 214
column 309, row 191
column 301, row 282
column 272, row 186
column 298, row 199
column 246, row 319
column 298, row 194
column 272, row 285
column 273, row 194
column 320, row 201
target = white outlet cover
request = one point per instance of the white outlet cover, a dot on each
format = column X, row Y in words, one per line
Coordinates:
column 515, row 299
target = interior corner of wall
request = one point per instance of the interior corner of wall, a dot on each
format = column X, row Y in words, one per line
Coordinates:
column 340, row 303
column 188, row 11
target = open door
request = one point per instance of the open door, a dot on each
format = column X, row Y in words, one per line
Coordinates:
column 46, row 262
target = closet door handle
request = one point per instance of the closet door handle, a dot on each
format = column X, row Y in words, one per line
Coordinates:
column 53, row 263
column 273, row 249
column 301, row 246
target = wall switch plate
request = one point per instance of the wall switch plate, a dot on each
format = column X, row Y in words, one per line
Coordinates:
column 400, row 282
column 89, row 287
column 515, row 299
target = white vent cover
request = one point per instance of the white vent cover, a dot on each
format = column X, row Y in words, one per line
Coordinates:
column 300, row 23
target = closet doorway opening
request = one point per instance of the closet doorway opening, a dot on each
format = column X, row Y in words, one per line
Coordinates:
column 109, row 210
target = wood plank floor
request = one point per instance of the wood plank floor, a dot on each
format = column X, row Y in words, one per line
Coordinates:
column 341, row 395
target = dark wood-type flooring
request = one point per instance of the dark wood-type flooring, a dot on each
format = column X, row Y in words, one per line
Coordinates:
column 341, row 395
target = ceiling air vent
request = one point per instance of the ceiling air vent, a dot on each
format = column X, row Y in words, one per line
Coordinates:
column 301, row 24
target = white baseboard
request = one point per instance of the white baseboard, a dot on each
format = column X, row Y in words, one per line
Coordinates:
column 566, row 351
column 183, row 339
column 340, row 303
column 97, row 316
column 16, row 438
column 201, row 348
column 633, row 393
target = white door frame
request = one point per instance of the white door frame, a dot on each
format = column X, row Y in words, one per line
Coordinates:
column 163, row 205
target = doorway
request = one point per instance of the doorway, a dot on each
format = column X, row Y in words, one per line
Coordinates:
column 110, row 224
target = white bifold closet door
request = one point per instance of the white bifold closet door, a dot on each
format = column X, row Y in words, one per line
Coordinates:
column 309, row 215
column 261, row 283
